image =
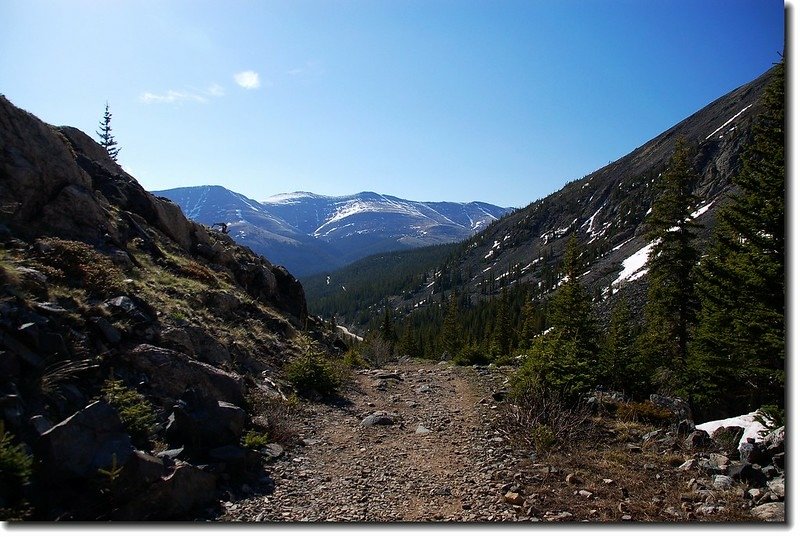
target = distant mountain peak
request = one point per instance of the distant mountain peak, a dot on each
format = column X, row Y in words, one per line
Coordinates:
column 310, row 232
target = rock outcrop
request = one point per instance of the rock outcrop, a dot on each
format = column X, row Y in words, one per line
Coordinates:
column 114, row 310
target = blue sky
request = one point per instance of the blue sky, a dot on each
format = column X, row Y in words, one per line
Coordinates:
column 432, row 100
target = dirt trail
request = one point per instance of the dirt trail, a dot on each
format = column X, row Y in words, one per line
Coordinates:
column 441, row 459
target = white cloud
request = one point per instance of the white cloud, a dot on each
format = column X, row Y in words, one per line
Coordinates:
column 215, row 90
column 172, row 96
column 247, row 79
column 177, row 96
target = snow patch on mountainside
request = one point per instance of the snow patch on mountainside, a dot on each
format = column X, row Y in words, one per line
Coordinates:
column 634, row 267
column 728, row 122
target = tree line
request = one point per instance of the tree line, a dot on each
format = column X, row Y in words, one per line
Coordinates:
column 713, row 329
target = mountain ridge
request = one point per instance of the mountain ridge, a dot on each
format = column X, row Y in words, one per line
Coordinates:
column 605, row 208
column 310, row 233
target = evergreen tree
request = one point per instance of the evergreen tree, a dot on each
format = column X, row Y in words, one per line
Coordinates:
column 672, row 303
column 620, row 363
column 106, row 138
column 566, row 358
column 387, row 326
column 501, row 337
column 738, row 356
column 531, row 323
column 451, row 340
column 407, row 344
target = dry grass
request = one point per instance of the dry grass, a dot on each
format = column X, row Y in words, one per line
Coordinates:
column 646, row 486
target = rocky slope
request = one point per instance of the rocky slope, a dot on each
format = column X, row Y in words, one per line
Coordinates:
column 134, row 343
column 606, row 209
column 309, row 233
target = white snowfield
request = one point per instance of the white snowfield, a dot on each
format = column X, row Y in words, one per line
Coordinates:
column 752, row 428
column 634, row 266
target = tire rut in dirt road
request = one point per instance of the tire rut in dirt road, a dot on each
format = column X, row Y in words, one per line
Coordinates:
column 439, row 459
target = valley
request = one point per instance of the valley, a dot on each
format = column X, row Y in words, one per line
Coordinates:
column 612, row 352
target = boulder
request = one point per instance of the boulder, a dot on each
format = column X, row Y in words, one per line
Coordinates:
column 698, row 440
column 221, row 303
column 196, row 343
column 745, row 472
column 754, row 453
column 728, row 438
column 778, row 487
column 171, row 497
column 770, row 512
column 679, row 408
column 201, row 424
column 378, row 418
column 172, row 373
column 722, row 482
column 774, row 442
column 86, row 442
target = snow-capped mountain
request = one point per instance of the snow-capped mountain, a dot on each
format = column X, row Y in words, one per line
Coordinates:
column 310, row 233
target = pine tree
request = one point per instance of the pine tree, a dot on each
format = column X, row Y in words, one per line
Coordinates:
column 501, row 336
column 451, row 341
column 620, row 363
column 106, row 138
column 566, row 358
column 738, row 357
column 672, row 303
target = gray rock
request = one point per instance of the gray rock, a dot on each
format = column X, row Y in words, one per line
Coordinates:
column 770, row 512
column 722, row 482
column 690, row 464
column 746, row 473
column 698, row 440
column 40, row 424
column 272, row 451
column 753, row 453
column 777, row 486
column 421, row 429
column 423, row 389
column 676, row 405
column 774, row 442
column 727, row 438
column 88, row 441
column 172, row 373
column 171, row 497
column 106, row 330
column 378, row 418
column 234, row 458
column 221, row 303
column 170, row 454
column 651, row 435
column 201, row 424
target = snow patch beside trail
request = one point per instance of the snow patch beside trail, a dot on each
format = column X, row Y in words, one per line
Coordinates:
column 752, row 428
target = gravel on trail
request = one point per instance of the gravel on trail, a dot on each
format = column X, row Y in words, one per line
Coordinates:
column 414, row 442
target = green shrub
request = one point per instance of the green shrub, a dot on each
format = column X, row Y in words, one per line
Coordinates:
column 543, row 438
column 313, row 373
column 255, row 440
column 471, row 355
column 771, row 417
column 15, row 471
column 77, row 264
column 135, row 412
column 543, row 417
